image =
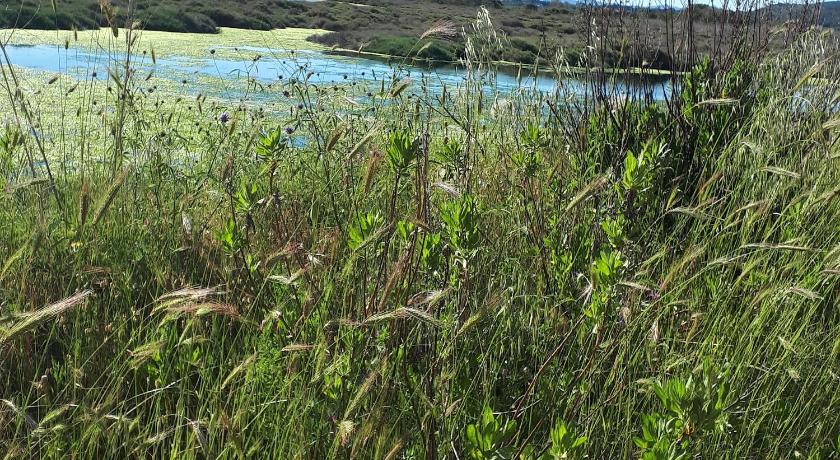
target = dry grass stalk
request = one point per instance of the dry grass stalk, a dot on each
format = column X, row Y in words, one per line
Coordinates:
column 195, row 301
column 31, row 320
column 442, row 29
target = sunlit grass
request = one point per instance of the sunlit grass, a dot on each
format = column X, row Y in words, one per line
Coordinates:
column 171, row 43
column 326, row 274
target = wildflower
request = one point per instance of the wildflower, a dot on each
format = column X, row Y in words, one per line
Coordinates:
column 285, row 94
column 300, row 106
column 289, row 130
column 656, row 294
column 224, row 117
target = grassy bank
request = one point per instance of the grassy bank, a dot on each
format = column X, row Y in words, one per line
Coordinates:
column 505, row 66
column 464, row 274
column 226, row 44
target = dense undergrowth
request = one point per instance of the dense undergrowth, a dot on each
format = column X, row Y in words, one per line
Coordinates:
column 413, row 275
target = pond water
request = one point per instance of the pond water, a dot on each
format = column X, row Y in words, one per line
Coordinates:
column 215, row 76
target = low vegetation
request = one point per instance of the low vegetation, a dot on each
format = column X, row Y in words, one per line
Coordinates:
column 358, row 271
column 228, row 44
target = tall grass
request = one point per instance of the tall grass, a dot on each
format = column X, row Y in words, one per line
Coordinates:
column 419, row 274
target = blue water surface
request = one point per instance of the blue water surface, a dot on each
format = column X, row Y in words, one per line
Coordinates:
column 265, row 66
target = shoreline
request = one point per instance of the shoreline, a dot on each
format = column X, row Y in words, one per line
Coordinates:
column 507, row 65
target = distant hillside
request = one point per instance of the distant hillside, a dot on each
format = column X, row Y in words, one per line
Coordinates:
column 829, row 15
column 389, row 27
column 168, row 15
column 829, row 12
column 533, row 28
